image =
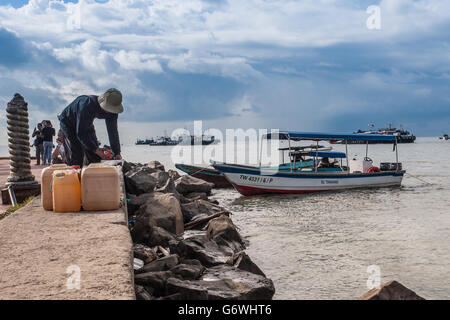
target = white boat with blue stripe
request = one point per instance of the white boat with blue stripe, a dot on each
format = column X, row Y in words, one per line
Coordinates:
column 323, row 176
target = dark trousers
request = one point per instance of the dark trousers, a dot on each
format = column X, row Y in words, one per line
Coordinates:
column 76, row 155
column 39, row 153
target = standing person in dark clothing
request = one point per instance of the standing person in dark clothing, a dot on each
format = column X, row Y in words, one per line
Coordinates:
column 48, row 132
column 77, row 125
column 38, row 143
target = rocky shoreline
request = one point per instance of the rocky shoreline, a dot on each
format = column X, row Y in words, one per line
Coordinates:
column 186, row 245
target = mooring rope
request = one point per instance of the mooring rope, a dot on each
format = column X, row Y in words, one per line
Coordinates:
column 409, row 174
column 195, row 172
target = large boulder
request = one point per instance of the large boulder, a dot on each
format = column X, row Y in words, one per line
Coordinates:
column 169, row 187
column 194, row 262
column 186, row 290
column 198, row 209
column 136, row 202
column 187, row 184
column 161, row 178
column 154, row 282
column 208, row 252
column 155, row 165
column 391, row 290
column 141, row 230
column 223, row 283
column 242, row 261
column 173, row 174
column 139, row 180
column 188, row 271
column 144, row 253
column 145, row 231
column 128, row 166
column 197, row 196
column 162, row 264
column 172, row 297
column 164, row 209
column 159, row 237
column 223, row 231
column 141, row 293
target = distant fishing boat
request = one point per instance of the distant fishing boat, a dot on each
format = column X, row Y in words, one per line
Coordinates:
column 164, row 141
column 402, row 136
column 197, row 140
column 326, row 176
column 182, row 140
column 158, row 141
column 144, row 142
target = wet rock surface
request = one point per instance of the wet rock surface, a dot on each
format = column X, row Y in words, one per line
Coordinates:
column 169, row 187
column 199, row 208
column 189, row 245
column 242, row 261
column 197, row 196
column 164, row 209
column 173, row 174
column 391, row 290
column 154, row 282
column 188, row 184
column 136, row 202
column 139, row 180
column 208, row 252
column 188, row 271
column 161, row 264
column 155, row 165
column 223, row 282
column 142, row 294
column 144, row 253
column 161, row 178
column 223, row 231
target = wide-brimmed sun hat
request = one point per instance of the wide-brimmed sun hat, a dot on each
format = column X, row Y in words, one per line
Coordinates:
column 111, row 101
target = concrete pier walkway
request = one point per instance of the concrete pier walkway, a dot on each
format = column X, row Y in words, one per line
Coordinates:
column 42, row 251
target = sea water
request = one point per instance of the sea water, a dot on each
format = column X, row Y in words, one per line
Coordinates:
column 321, row 246
column 327, row 245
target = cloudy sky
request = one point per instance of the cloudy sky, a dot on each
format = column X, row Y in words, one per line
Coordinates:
column 303, row 65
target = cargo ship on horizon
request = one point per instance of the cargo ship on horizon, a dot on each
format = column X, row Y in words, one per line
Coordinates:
column 403, row 136
column 181, row 140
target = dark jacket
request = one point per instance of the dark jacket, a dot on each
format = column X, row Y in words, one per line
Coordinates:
column 38, row 140
column 78, row 119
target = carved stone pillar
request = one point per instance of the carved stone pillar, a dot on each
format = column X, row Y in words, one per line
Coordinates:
column 19, row 142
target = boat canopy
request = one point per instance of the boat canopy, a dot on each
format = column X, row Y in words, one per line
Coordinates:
column 295, row 135
column 324, row 154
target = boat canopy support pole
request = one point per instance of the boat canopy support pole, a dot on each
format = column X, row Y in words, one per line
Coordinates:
column 367, row 148
column 396, row 154
column 317, row 156
column 346, row 156
column 290, row 156
column 260, row 151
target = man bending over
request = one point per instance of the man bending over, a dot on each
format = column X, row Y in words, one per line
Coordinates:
column 77, row 125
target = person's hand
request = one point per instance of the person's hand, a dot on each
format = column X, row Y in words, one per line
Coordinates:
column 118, row 157
column 101, row 153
